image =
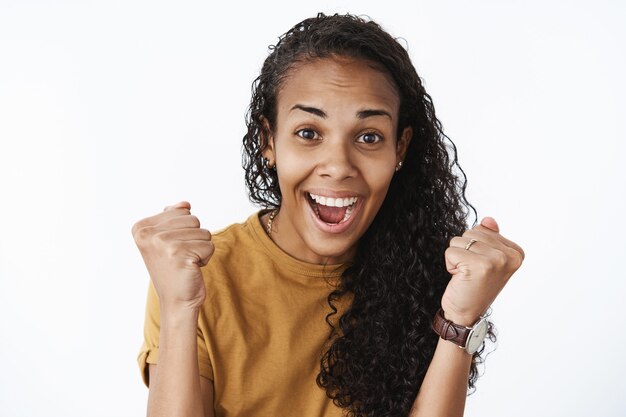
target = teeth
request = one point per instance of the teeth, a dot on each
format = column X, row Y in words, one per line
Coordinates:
column 346, row 216
column 334, row 202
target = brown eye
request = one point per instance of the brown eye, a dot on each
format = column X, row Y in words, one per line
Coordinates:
column 308, row 134
column 370, row 138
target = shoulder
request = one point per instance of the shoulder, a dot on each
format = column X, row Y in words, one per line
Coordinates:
column 235, row 235
column 236, row 246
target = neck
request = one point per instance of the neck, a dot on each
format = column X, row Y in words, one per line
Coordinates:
column 288, row 240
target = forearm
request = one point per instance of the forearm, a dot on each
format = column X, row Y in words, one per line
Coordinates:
column 176, row 390
column 444, row 388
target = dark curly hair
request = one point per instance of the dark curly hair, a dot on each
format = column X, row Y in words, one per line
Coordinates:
column 380, row 349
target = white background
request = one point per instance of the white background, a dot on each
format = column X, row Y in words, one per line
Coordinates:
column 111, row 110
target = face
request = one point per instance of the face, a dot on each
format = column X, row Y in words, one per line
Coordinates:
column 335, row 146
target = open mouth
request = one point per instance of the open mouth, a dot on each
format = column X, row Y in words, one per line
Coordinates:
column 332, row 211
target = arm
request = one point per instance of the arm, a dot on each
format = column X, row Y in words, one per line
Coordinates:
column 174, row 248
column 444, row 388
column 478, row 275
column 176, row 389
column 206, row 391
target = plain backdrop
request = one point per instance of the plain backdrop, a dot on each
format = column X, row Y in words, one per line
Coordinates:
column 111, row 110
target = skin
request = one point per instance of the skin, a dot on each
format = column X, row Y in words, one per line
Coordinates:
column 326, row 100
column 333, row 158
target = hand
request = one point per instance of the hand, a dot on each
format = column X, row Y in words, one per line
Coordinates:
column 174, row 247
column 478, row 274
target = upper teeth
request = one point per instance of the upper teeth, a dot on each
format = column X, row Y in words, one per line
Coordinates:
column 334, row 202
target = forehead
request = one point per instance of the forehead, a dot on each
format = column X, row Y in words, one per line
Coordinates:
column 338, row 81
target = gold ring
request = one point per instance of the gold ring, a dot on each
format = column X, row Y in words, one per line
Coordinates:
column 471, row 242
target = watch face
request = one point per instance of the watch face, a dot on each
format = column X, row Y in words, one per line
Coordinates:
column 476, row 336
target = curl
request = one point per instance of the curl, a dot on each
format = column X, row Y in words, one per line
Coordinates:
column 380, row 348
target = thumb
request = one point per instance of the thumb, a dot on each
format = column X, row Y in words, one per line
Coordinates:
column 182, row 204
column 490, row 223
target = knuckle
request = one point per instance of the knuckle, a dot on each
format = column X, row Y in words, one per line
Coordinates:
column 142, row 234
column 194, row 220
column 487, row 266
column 160, row 238
column 519, row 259
column 516, row 258
column 137, row 227
column 173, row 250
column 501, row 258
column 133, row 229
column 162, row 241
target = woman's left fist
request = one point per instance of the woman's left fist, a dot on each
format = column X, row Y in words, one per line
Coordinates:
column 478, row 273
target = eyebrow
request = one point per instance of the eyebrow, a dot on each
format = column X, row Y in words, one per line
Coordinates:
column 363, row 114
column 372, row 112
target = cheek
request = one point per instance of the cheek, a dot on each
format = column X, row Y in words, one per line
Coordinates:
column 378, row 181
column 293, row 168
column 378, row 172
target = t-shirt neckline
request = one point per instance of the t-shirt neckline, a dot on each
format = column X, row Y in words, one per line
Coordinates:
column 284, row 259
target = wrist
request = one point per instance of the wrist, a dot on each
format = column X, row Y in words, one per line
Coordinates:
column 467, row 320
column 177, row 316
column 466, row 334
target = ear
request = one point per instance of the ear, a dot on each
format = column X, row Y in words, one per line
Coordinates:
column 267, row 142
column 403, row 143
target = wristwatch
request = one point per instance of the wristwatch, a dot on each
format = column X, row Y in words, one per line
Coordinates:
column 468, row 338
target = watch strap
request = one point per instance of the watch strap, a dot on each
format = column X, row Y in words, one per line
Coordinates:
column 448, row 330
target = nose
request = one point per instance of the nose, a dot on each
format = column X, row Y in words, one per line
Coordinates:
column 337, row 161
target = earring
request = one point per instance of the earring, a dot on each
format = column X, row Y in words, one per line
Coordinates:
column 398, row 166
column 269, row 164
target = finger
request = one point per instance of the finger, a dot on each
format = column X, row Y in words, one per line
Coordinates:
column 202, row 250
column 490, row 223
column 182, row 221
column 456, row 257
column 158, row 218
column 181, row 204
column 184, row 235
column 496, row 242
column 513, row 246
column 479, row 247
column 490, row 239
column 489, row 232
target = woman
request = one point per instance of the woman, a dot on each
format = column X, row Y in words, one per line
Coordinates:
column 326, row 303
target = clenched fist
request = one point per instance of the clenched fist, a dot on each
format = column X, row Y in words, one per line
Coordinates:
column 478, row 273
column 174, row 247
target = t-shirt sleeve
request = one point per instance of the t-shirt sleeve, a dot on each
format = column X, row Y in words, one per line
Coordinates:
column 149, row 352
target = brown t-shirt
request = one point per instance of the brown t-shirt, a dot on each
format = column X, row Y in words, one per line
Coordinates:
column 262, row 328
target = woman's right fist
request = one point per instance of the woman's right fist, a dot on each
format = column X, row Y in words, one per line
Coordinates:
column 174, row 247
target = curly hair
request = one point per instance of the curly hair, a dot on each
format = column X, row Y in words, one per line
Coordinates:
column 380, row 349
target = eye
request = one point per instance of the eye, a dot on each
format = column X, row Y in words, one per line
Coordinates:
column 308, row 134
column 370, row 137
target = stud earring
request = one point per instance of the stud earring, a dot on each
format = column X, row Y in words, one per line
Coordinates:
column 269, row 165
column 398, row 166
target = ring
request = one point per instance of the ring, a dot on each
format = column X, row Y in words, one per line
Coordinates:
column 471, row 242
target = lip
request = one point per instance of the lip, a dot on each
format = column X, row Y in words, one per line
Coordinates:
column 334, row 228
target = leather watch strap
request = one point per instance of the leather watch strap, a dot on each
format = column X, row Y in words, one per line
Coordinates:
column 450, row 331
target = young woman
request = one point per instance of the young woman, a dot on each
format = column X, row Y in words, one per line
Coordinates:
column 331, row 300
